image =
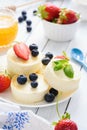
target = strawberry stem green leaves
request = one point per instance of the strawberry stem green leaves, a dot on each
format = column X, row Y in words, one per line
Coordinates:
column 65, row 65
column 66, row 116
column 41, row 12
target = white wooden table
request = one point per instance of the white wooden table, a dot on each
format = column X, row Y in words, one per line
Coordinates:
column 77, row 105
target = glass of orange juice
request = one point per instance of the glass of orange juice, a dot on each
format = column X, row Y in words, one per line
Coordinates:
column 8, row 26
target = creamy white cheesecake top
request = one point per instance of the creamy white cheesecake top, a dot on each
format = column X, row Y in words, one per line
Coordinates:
column 16, row 65
column 25, row 93
column 58, row 79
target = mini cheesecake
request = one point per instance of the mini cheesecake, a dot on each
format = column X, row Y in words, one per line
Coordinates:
column 58, row 79
column 17, row 65
column 25, row 93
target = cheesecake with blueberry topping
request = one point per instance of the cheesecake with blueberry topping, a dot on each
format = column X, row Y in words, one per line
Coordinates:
column 22, row 59
column 29, row 89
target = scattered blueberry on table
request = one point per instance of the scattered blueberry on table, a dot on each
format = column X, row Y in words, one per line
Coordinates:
column 23, row 13
column 23, row 18
column 28, row 22
column 34, row 12
column 29, row 29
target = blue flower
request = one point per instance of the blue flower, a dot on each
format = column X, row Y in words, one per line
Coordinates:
column 16, row 120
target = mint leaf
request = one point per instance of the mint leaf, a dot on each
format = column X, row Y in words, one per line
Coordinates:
column 58, row 67
column 59, row 64
column 68, row 70
column 66, row 116
column 56, row 62
column 63, row 61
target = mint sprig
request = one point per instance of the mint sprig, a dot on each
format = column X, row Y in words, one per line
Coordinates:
column 60, row 64
column 68, row 70
column 65, row 65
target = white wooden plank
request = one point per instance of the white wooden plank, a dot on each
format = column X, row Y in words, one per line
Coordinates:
column 78, row 104
column 38, row 37
column 50, row 113
column 56, row 47
column 80, row 40
column 66, row 4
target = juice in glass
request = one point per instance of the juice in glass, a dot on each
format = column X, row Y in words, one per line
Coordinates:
column 8, row 27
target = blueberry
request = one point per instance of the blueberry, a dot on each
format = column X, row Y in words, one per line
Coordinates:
column 45, row 60
column 35, row 52
column 23, row 13
column 49, row 54
column 53, row 91
column 34, row 12
column 29, row 29
column 20, row 19
column 28, row 22
column 33, row 76
column 34, row 84
column 24, row 17
column 33, row 46
column 21, row 79
column 49, row 97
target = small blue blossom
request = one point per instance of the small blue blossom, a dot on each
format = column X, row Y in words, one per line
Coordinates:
column 16, row 121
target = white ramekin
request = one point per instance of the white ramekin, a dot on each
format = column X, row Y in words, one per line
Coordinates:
column 59, row 32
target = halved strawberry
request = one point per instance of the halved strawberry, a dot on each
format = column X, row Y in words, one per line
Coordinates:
column 48, row 11
column 5, row 81
column 21, row 50
column 60, row 57
column 63, row 56
column 67, row 16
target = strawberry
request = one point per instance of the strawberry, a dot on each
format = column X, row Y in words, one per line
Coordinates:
column 48, row 11
column 64, row 56
column 5, row 81
column 60, row 57
column 21, row 50
column 67, row 16
column 64, row 123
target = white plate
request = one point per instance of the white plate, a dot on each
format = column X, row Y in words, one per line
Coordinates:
column 7, row 97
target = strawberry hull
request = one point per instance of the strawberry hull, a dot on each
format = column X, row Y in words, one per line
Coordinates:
column 48, row 11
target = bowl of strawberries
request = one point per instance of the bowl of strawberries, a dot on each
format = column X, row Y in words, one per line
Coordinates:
column 59, row 24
